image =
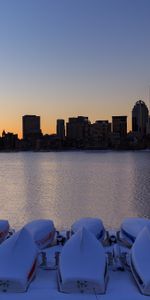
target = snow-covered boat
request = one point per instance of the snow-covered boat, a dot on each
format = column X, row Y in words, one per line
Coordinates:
column 5, row 230
column 82, row 265
column 140, row 260
column 130, row 228
column 42, row 232
column 94, row 225
column 18, row 261
column 77, row 269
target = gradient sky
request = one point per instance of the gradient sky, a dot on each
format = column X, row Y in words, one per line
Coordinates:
column 61, row 58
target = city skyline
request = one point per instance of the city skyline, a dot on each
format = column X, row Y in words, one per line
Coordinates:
column 80, row 133
column 69, row 58
column 20, row 134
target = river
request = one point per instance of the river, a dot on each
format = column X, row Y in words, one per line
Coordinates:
column 65, row 186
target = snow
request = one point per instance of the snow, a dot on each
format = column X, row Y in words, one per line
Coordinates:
column 82, row 264
column 140, row 256
column 94, row 225
column 121, row 284
column 17, row 256
column 42, row 232
column 132, row 226
column 4, row 228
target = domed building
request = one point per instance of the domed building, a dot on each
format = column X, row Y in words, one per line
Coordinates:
column 139, row 117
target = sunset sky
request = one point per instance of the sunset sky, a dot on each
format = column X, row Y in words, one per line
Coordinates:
column 63, row 58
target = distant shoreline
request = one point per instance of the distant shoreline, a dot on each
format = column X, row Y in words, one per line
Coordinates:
column 74, row 150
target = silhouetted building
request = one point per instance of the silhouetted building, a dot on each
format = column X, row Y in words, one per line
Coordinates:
column 51, row 142
column 139, row 117
column 119, row 125
column 9, row 140
column 100, row 133
column 31, row 127
column 60, row 130
column 148, row 126
column 78, row 128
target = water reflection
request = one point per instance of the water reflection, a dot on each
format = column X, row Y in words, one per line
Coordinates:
column 141, row 184
column 68, row 185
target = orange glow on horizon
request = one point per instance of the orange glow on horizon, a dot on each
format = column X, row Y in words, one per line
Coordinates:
column 16, row 127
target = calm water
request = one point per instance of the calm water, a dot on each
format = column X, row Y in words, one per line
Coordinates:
column 65, row 186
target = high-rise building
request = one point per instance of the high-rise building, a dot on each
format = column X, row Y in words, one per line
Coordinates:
column 9, row 140
column 139, row 117
column 119, row 125
column 78, row 128
column 31, row 127
column 60, row 129
column 148, row 126
column 100, row 133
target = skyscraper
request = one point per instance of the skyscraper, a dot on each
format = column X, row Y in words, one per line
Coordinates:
column 31, row 127
column 148, row 126
column 60, row 129
column 139, row 117
column 78, row 128
column 100, row 132
column 119, row 125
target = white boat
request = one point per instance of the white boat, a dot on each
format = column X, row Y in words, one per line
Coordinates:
column 140, row 260
column 5, row 230
column 94, row 225
column 63, row 272
column 79, row 271
column 130, row 228
column 42, row 232
column 18, row 261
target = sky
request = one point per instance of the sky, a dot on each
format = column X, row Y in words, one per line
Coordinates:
column 64, row 58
